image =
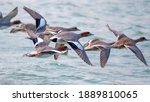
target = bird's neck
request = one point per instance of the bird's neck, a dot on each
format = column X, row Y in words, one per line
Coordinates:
column 138, row 40
column 61, row 48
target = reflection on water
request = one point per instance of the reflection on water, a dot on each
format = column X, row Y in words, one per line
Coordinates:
column 129, row 16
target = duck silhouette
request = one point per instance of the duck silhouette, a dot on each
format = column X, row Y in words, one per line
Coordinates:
column 98, row 45
column 125, row 42
column 72, row 39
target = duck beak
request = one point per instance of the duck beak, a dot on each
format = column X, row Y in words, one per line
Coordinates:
column 147, row 39
column 91, row 34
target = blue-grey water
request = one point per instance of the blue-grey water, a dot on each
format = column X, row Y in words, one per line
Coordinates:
column 129, row 16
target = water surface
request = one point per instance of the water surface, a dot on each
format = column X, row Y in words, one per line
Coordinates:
column 129, row 16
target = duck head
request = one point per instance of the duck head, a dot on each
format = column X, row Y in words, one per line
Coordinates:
column 16, row 22
column 63, row 49
column 74, row 29
column 141, row 39
column 85, row 34
column 90, row 45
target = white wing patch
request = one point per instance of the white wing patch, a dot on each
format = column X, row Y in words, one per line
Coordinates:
column 77, row 44
column 39, row 40
column 42, row 22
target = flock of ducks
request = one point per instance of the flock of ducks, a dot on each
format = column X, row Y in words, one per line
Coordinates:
column 42, row 34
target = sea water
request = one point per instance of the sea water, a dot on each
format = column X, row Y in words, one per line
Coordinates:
column 131, row 17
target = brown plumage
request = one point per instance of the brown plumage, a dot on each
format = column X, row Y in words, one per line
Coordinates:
column 97, row 45
column 125, row 42
column 72, row 39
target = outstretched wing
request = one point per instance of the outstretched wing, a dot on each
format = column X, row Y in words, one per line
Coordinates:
column 12, row 14
column 41, row 25
column 104, row 55
column 34, row 14
column 138, row 53
column 80, row 51
column 116, row 33
column 39, row 19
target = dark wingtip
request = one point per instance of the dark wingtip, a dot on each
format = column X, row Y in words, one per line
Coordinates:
column 89, row 63
column 33, row 13
column 107, row 25
column 16, row 8
column 146, row 64
column 24, row 7
column 81, row 53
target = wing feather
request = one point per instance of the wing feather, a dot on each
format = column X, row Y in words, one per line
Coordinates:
column 104, row 55
column 10, row 15
column 78, row 48
column 138, row 53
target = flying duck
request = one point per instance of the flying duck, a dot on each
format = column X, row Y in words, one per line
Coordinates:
column 125, row 42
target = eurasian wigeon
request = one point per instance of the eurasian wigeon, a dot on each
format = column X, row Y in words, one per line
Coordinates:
column 43, row 50
column 40, row 41
column 23, row 28
column 55, row 30
column 49, row 29
column 41, row 22
column 72, row 39
column 125, row 42
column 97, row 45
